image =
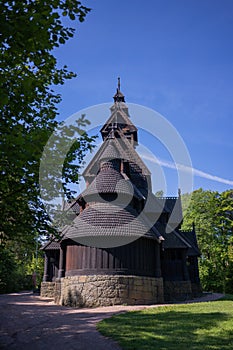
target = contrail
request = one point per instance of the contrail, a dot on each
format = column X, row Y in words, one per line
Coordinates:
column 195, row 172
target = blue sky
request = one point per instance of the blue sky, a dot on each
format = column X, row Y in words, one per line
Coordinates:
column 173, row 56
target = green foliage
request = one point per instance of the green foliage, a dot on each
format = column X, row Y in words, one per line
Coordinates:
column 191, row 326
column 185, row 198
column 7, row 270
column 212, row 213
column 13, row 275
column 30, row 31
column 35, row 266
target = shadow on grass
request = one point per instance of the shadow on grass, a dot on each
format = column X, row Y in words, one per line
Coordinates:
column 227, row 297
column 169, row 329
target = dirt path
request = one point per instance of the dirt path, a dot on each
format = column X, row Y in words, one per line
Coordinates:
column 28, row 322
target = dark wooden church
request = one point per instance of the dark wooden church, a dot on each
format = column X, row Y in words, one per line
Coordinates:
column 117, row 249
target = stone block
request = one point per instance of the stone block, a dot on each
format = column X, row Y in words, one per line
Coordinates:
column 82, row 279
column 136, row 295
column 123, row 293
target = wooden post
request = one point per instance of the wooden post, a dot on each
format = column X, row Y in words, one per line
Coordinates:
column 61, row 272
column 157, row 261
column 46, row 268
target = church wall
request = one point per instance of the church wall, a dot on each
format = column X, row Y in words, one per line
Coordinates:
column 173, row 265
column 177, row 290
column 196, row 289
column 105, row 290
column 141, row 257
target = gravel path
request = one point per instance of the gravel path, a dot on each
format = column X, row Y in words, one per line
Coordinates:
column 28, row 322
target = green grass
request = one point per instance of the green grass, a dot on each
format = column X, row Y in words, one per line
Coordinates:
column 202, row 326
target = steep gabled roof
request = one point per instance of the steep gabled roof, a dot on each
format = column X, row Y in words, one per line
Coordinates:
column 190, row 236
column 172, row 240
column 169, row 205
column 119, row 119
column 93, row 166
column 123, row 148
column 53, row 244
column 110, row 152
column 130, row 152
column 179, row 239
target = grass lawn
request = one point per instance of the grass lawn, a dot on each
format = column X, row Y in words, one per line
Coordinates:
column 202, row 326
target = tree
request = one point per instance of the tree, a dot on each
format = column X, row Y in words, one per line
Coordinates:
column 7, row 271
column 225, row 238
column 212, row 213
column 30, row 30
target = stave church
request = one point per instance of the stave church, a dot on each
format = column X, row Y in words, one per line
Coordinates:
column 119, row 249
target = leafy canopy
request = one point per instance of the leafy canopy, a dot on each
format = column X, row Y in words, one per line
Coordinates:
column 30, row 30
column 212, row 213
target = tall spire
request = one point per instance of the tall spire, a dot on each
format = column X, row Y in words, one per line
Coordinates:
column 119, row 97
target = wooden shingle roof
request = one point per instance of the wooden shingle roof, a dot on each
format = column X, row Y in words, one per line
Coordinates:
column 119, row 118
column 105, row 219
column 110, row 152
column 124, row 150
column 190, row 236
column 109, row 181
column 53, row 244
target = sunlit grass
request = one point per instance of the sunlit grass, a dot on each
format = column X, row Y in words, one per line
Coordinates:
column 204, row 326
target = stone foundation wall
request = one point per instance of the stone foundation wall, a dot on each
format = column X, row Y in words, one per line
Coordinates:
column 177, row 290
column 104, row 290
column 57, row 291
column 47, row 289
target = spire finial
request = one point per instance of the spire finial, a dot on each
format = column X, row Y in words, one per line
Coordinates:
column 119, row 97
column 119, row 83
